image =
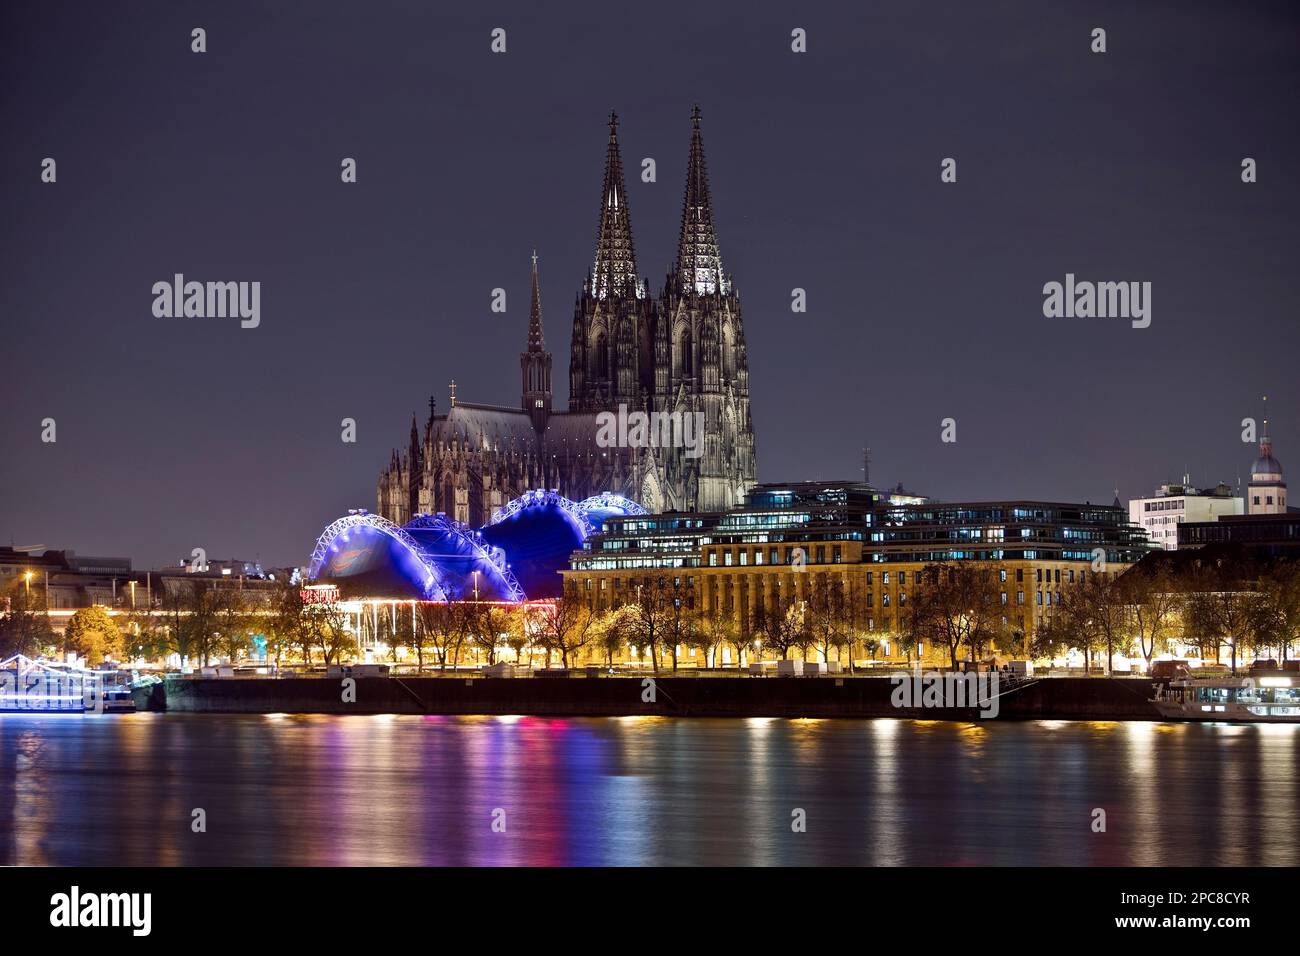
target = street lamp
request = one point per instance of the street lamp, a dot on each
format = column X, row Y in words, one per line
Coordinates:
column 27, row 583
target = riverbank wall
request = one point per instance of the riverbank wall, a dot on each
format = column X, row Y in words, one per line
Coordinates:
column 1063, row 698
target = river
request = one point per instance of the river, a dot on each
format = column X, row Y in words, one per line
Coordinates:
column 176, row 789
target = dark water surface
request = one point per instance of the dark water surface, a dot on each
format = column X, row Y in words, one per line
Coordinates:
column 334, row 790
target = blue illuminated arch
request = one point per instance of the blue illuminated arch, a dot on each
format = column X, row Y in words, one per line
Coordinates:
column 445, row 540
column 607, row 505
column 608, row 501
column 426, row 578
column 538, row 498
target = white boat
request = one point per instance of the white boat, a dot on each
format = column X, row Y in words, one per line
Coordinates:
column 1272, row 698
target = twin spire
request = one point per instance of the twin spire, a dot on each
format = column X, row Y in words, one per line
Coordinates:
column 615, row 270
column 699, row 264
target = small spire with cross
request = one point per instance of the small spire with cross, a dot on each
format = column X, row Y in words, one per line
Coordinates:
column 453, row 393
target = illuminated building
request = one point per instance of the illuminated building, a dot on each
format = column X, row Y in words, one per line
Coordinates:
column 681, row 353
column 1171, row 505
column 788, row 541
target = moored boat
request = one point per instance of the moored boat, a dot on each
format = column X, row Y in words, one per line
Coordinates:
column 1269, row 699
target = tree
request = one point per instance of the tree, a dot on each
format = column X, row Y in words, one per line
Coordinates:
column 143, row 635
column 523, row 633
column 1153, row 602
column 24, row 621
column 92, row 634
column 1280, row 606
column 1090, row 615
column 486, row 624
column 612, row 630
column 1233, row 617
column 1056, row 633
column 198, row 619
column 286, row 624
column 827, row 615
column 779, row 621
column 326, row 625
column 231, row 613
column 566, row 627
column 445, row 627
column 679, row 604
column 649, row 617
column 960, row 604
column 710, row 632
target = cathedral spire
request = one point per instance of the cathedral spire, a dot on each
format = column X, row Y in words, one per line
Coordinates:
column 615, row 265
column 699, row 264
column 536, row 341
column 535, row 363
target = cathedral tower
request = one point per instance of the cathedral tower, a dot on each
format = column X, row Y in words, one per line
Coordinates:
column 700, row 360
column 610, row 360
column 535, row 363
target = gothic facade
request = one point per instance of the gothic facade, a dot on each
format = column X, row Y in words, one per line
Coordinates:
column 680, row 353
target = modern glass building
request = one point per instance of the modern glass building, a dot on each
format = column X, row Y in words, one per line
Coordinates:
column 790, row 539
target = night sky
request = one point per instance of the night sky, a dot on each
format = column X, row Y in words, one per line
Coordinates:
column 924, row 299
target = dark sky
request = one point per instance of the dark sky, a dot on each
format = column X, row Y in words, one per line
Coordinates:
column 925, row 299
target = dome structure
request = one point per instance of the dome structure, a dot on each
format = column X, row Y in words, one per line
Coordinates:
column 1267, row 492
column 432, row 558
column 516, row 557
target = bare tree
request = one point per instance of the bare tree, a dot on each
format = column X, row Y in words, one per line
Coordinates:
column 648, row 619
column 959, row 605
column 445, row 628
column 829, row 617
column 1153, row 602
column 566, row 626
column 779, row 621
column 326, row 624
column 1280, row 606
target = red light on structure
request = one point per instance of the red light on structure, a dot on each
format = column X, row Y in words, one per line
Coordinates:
column 320, row 594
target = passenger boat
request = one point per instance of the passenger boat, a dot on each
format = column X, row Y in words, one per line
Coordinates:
column 1274, row 698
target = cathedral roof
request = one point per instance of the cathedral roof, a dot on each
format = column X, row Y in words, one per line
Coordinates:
column 494, row 426
column 499, row 427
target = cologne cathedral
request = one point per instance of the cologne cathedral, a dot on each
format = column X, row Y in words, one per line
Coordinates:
column 680, row 352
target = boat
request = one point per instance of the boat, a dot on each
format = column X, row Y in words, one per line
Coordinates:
column 1274, row 698
column 41, row 686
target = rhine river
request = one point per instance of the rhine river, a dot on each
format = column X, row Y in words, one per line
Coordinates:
column 354, row 790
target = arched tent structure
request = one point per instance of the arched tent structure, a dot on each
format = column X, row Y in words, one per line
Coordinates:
column 606, row 505
column 432, row 558
column 471, row 566
column 366, row 554
column 539, row 530
column 516, row 557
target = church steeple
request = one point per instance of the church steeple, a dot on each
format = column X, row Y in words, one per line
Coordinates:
column 535, row 362
column 614, row 272
column 415, row 461
column 536, row 341
column 699, row 264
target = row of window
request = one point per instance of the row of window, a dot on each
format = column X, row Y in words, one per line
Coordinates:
column 790, row 555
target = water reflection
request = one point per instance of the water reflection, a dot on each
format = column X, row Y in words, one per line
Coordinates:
column 314, row 790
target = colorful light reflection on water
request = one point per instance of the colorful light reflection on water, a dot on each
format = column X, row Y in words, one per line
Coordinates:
column 316, row 790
